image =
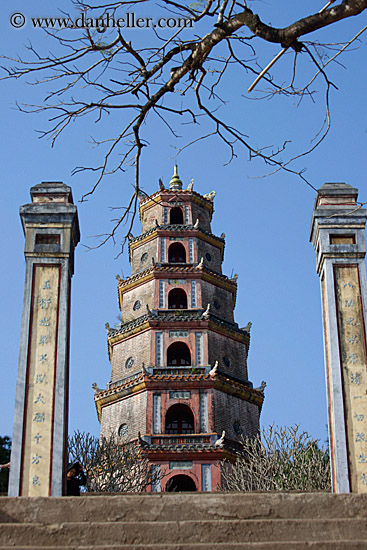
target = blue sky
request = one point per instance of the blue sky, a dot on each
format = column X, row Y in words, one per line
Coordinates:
column 266, row 220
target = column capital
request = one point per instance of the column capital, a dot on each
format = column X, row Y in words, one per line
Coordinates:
column 50, row 223
column 338, row 224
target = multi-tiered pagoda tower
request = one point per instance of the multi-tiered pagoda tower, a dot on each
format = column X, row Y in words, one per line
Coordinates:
column 179, row 376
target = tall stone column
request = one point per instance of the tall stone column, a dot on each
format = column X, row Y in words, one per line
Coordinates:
column 337, row 234
column 51, row 229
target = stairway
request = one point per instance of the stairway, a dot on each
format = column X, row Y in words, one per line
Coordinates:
column 186, row 521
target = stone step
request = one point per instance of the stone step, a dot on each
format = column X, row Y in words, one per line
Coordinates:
column 183, row 506
column 182, row 533
column 326, row 545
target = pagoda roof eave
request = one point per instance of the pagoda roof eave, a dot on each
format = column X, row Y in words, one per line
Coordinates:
column 187, row 229
column 144, row 381
column 155, row 318
column 167, row 454
column 166, row 194
column 166, row 270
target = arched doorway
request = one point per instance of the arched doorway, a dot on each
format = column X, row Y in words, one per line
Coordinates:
column 177, row 253
column 177, row 299
column 179, row 420
column 176, row 216
column 178, row 355
column 180, row 484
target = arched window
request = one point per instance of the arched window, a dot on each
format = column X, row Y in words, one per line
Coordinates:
column 179, row 420
column 177, row 299
column 176, row 254
column 180, row 484
column 176, row 216
column 178, row 355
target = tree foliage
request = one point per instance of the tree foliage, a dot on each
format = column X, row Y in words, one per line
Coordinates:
column 278, row 459
column 182, row 76
column 111, row 466
column 5, row 449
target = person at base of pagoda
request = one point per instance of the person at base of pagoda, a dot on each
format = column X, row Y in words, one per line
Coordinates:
column 75, row 477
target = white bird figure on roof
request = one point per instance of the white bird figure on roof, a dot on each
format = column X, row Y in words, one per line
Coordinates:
column 205, row 315
column 247, row 328
column 200, row 264
column 223, row 235
column 262, row 387
column 96, row 388
column 118, row 277
column 196, row 224
column 210, row 196
column 191, row 185
column 220, row 441
column 213, row 371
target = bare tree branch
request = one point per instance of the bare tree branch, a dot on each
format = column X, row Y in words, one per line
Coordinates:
column 278, row 459
column 97, row 71
column 112, row 466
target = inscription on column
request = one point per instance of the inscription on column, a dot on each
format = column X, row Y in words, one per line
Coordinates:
column 353, row 358
column 40, row 388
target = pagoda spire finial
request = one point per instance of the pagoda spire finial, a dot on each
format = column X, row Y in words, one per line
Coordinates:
column 175, row 184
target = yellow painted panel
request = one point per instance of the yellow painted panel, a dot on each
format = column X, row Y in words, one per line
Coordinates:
column 353, row 358
column 37, row 443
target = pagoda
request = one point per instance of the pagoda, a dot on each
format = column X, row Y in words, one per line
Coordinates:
column 179, row 381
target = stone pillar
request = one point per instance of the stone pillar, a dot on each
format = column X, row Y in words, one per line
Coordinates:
column 51, row 229
column 337, row 234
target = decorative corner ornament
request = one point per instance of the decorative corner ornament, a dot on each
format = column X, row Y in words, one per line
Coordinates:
column 150, row 312
column 214, row 370
column 220, row 441
column 262, row 387
column 210, row 196
column 141, row 441
column 247, row 328
column 206, row 313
